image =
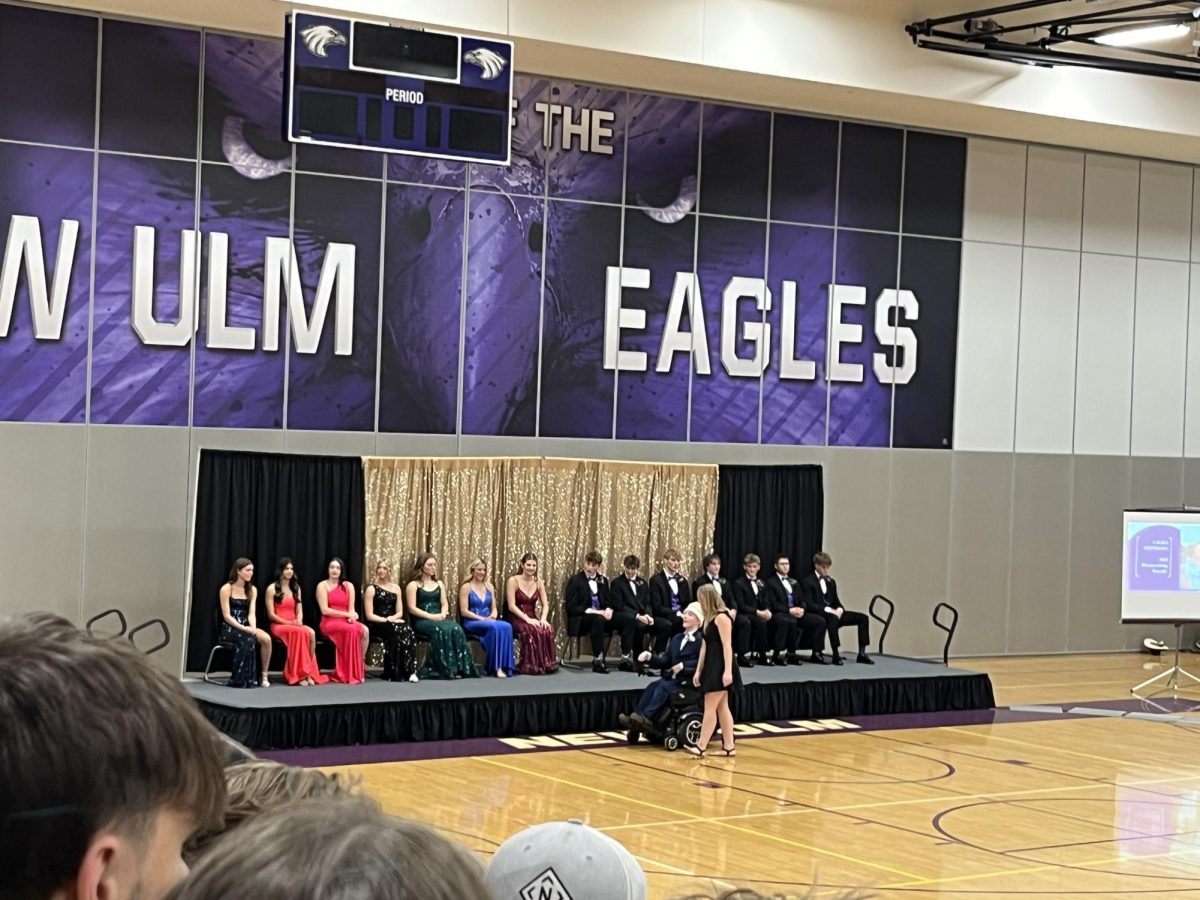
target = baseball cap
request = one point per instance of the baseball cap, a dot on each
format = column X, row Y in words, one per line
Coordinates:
column 564, row 861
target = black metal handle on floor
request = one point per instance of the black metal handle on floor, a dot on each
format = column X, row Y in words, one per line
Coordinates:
column 949, row 629
column 104, row 615
column 886, row 620
column 166, row 635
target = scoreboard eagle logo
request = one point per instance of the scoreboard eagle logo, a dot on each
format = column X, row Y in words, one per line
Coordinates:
column 319, row 38
column 490, row 63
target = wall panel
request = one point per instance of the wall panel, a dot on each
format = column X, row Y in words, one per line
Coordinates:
column 1110, row 204
column 1165, row 211
column 1046, row 355
column 1159, row 358
column 1104, row 365
column 1041, row 554
column 989, row 309
column 1053, row 198
column 994, row 198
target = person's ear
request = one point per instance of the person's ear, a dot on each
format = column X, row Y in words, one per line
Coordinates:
column 97, row 878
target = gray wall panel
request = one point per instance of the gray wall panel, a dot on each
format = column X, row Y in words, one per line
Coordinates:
column 330, row 443
column 1156, row 481
column 856, row 526
column 41, row 530
column 979, row 549
column 918, row 535
column 136, row 520
column 1094, row 604
column 1041, row 549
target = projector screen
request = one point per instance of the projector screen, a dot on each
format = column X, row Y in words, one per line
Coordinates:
column 1160, row 572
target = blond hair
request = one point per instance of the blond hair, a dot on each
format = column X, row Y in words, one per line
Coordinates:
column 710, row 601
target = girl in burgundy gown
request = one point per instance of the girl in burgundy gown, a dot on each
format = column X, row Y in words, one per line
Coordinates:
column 287, row 624
column 339, row 623
column 523, row 593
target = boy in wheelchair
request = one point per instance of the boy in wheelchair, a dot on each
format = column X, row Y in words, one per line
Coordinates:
column 669, row 709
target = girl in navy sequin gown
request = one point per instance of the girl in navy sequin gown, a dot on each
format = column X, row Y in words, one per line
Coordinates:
column 480, row 617
column 238, row 628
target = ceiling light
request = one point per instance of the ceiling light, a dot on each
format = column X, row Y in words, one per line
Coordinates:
column 1147, row 35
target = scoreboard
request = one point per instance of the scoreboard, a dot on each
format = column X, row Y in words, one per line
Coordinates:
column 374, row 86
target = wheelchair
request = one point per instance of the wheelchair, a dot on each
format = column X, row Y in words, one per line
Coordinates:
column 675, row 725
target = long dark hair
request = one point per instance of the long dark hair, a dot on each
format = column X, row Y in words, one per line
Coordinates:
column 293, row 584
column 524, row 559
column 341, row 569
column 418, row 572
column 234, row 574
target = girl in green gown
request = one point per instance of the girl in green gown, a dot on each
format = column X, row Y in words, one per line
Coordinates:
column 449, row 655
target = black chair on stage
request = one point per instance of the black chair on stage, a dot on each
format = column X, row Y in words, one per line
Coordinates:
column 221, row 645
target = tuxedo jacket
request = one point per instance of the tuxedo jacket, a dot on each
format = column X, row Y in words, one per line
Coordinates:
column 726, row 593
column 577, row 596
column 778, row 601
column 814, row 600
column 679, row 652
column 661, row 596
column 623, row 598
column 745, row 599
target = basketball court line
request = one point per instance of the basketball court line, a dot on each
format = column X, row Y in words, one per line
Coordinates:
column 701, row 819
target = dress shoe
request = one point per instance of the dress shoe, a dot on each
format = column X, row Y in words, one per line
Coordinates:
column 625, row 721
column 837, row 661
column 626, row 664
column 598, row 665
column 778, row 661
column 640, row 721
column 818, row 659
column 863, row 658
column 794, row 659
column 745, row 662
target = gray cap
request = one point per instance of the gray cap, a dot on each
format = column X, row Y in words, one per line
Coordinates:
column 564, row 861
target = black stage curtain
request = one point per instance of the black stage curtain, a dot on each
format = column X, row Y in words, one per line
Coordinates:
column 265, row 506
column 285, row 728
column 769, row 510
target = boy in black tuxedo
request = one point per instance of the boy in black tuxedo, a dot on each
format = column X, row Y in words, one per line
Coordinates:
column 589, row 610
column 712, row 575
column 669, row 597
column 753, row 613
column 632, row 611
column 821, row 598
column 789, row 618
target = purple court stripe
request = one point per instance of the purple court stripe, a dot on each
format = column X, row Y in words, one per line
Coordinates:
column 381, row 753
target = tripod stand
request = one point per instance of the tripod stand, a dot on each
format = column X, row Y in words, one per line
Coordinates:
column 1171, row 675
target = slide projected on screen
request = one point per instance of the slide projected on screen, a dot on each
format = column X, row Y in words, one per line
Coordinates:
column 1160, row 575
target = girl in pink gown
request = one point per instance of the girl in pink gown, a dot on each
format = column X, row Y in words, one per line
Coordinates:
column 287, row 624
column 339, row 623
column 523, row 592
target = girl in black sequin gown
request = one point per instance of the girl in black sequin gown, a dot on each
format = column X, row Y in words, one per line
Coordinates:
column 385, row 618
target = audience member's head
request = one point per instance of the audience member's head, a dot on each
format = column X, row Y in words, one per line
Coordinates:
column 345, row 850
column 565, row 859
column 107, row 766
column 693, row 614
column 258, row 786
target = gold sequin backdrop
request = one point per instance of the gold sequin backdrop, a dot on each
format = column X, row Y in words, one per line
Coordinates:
column 559, row 509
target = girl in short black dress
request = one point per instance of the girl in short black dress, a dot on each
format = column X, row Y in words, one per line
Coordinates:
column 717, row 672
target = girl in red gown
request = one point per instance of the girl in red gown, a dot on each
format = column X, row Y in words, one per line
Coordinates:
column 523, row 593
column 339, row 623
column 287, row 624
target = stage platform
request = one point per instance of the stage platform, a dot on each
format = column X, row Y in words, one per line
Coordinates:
column 282, row 717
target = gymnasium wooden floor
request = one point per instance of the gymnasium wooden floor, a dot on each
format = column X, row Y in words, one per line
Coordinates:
column 1070, row 806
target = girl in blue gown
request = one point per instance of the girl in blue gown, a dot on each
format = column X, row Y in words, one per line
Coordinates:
column 478, row 609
